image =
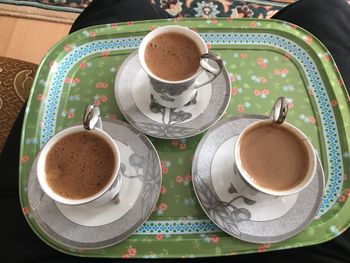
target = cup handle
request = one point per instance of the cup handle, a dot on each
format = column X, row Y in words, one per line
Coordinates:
column 279, row 111
column 214, row 72
column 92, row 117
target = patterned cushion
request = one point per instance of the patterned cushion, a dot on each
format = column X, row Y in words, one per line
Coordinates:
column 16, row 78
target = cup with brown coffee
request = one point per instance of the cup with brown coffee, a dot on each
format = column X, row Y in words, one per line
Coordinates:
column 273, row 158
column 77, row 166
column 174, row 57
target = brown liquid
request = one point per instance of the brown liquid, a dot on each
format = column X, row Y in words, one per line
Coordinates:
column 79, row 165
column 273, row 156
column 172, row 56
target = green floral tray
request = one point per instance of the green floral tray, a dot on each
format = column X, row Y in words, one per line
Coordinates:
column 265, row 59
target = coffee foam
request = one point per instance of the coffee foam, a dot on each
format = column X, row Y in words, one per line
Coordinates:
column 273, row 156
column 172, row 56
column 79, row 165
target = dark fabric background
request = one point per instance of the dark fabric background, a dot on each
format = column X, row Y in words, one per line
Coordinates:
column 326, row 19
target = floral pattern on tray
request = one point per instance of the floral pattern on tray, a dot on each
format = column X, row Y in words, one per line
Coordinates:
column 260, row 70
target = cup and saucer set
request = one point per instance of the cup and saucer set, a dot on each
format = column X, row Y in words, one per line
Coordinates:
column 174, row 109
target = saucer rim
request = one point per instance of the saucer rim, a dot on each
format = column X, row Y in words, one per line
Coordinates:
column 131, row 122
column 50, row 234
column 246, row 237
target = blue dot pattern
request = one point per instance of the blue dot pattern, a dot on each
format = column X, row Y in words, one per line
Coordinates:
column 177, row 227
column 335, row 167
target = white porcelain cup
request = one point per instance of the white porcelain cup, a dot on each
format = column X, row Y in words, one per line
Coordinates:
column 107, row 193
column 244, row 182
column 174, row 94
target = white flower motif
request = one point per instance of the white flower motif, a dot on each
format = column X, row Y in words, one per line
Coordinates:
column 174, row 9
column 207, row 10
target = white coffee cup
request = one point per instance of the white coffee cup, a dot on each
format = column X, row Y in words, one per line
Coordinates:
column 244, row 182
column 107, row 193
column 174, row 94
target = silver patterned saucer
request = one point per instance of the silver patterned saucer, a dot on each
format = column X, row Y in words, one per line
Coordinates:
column 132, row 92
column 265, row 221
column 93, row 226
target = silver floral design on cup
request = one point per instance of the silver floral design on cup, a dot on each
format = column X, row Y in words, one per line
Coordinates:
column 175, row 94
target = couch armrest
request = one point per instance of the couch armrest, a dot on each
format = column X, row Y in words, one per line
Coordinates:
column 16, row 79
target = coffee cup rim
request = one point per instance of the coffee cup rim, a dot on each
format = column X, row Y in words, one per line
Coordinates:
column 268, row 191
column 40, row 166
column 163, row 29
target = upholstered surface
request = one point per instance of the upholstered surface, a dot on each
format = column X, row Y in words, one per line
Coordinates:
column 16, row 78
column 65, row 11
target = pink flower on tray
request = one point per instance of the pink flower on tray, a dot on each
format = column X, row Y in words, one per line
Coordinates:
column 70, row 115
column 25, row 210
column 293, row 26
column 24, row 159
column 234, row 91
column 97, row 102
column 103, row 98
column 82, row 65
column 326, row 57
column 287, row 56
column 188, row 178
column 182, row 146
column 40, row 97
column 159, row 236
column 125, row 256
column 240, row 108
column 334, row 103
column 165, row 169
column 257, row 92
column 342, row 198
column 285, row 71
column 92, row 34
column 101, row 85
column 163, row 206
column 347, row 192
column 179, row 179
column 163, row 190
column 214, row 239
column 105, row 54
column 265, row 92
column 310, row 91
column 312, row 119
column 244, row 55
column 175, row 142
column 232, row 78
column 277, row 72
column 67, row 48
column 132, row 251
column 309, row 40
